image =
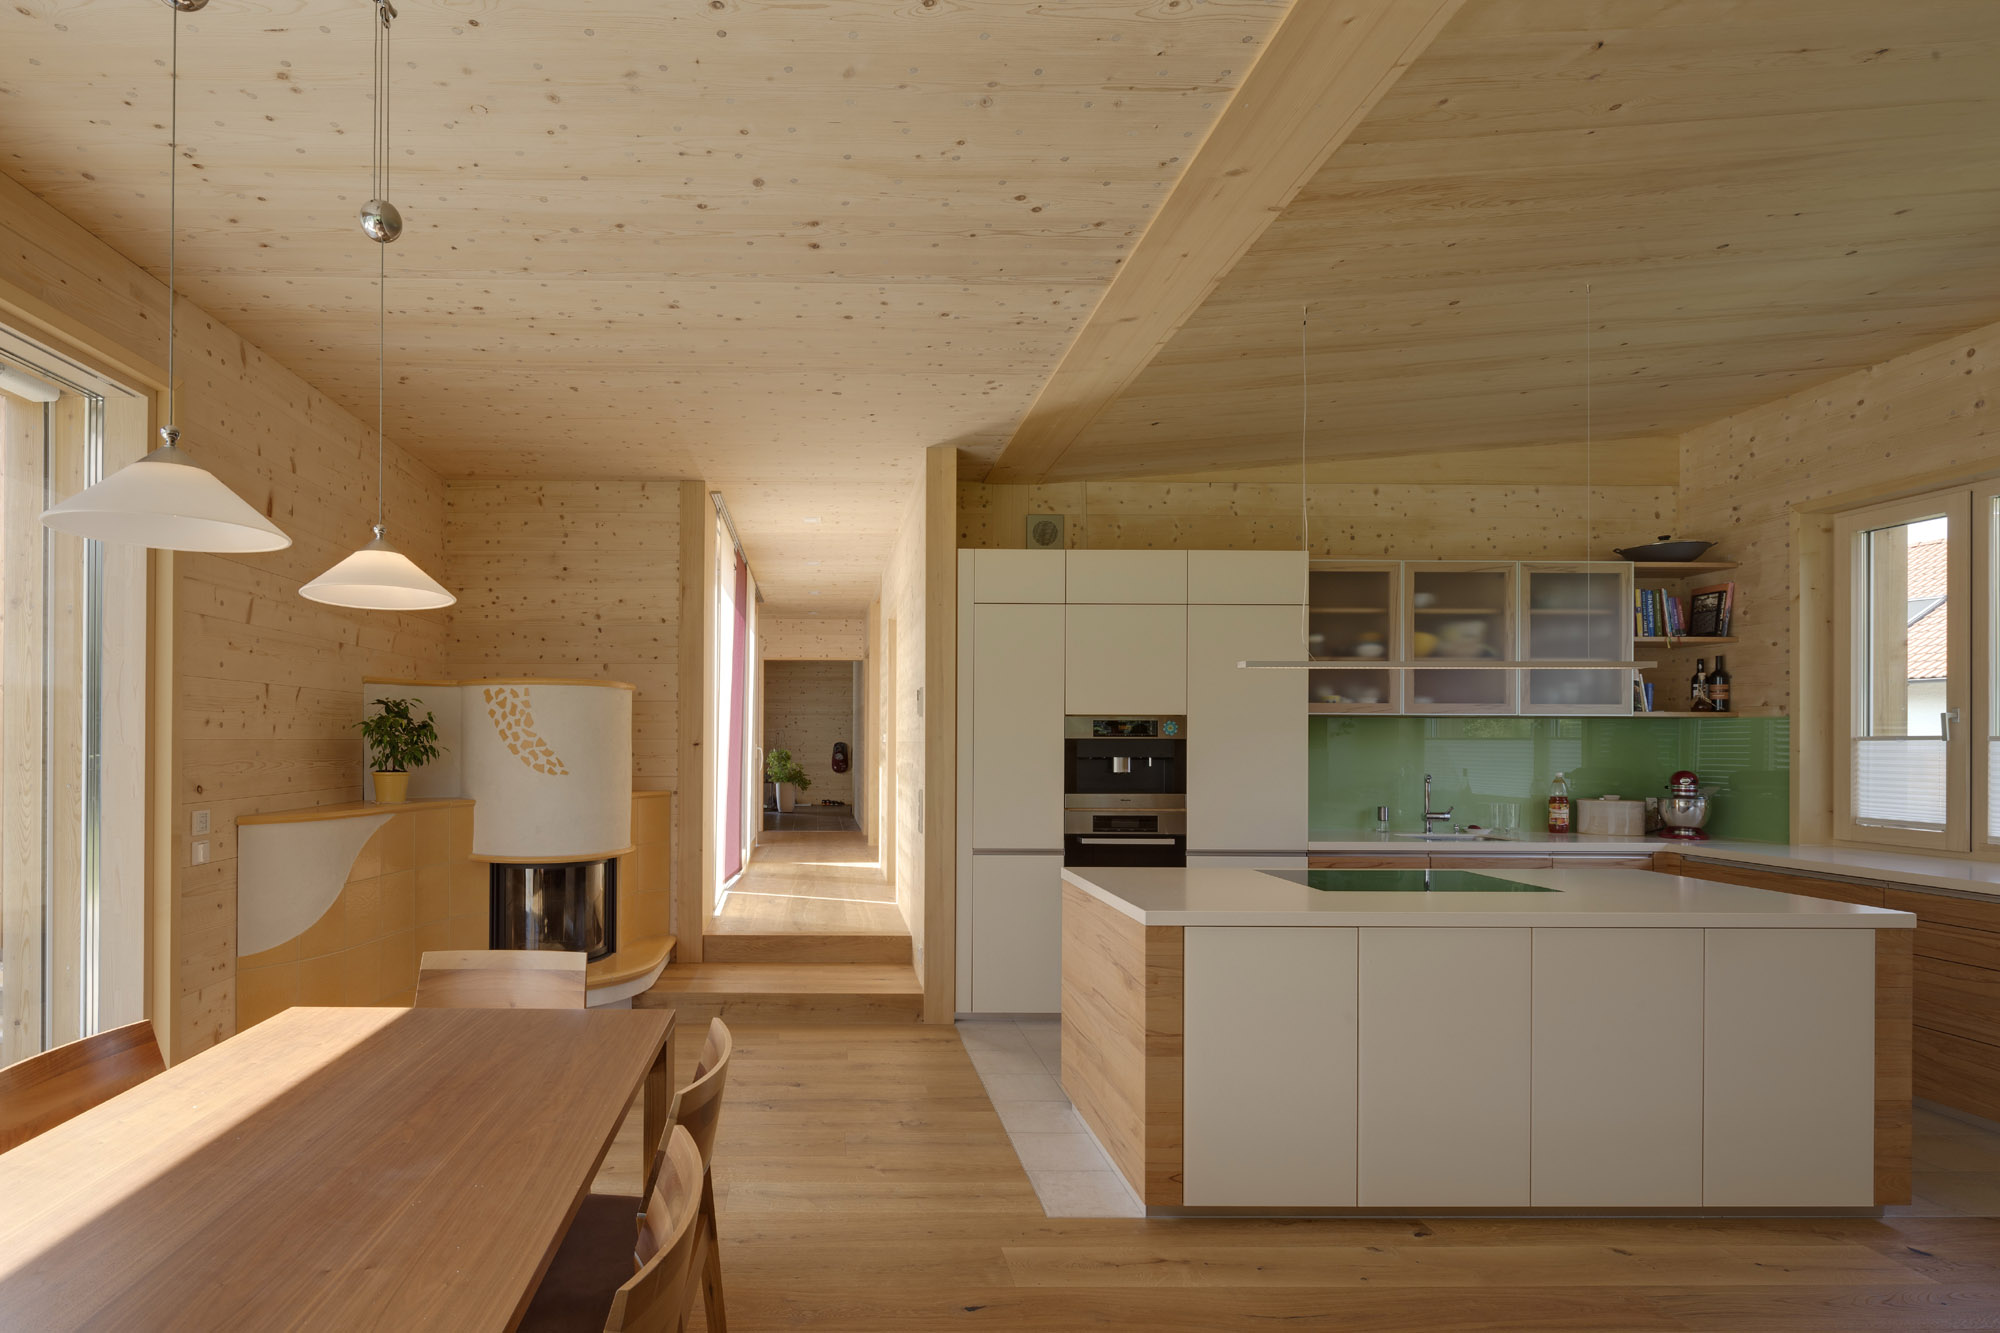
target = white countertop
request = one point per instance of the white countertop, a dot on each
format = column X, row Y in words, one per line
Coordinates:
column 1596, row 897
column 1915, row 869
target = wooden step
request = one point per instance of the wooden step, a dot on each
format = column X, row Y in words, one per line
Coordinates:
column 786, row 993
column 803, row 948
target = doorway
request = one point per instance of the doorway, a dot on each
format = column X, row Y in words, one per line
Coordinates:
column 812, row 718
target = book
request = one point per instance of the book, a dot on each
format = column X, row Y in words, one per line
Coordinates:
column 1709, row 611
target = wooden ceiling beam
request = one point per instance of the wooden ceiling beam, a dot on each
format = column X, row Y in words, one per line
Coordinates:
column 1325, row 67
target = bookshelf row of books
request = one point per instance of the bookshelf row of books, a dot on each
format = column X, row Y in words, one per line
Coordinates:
column 1705, row 613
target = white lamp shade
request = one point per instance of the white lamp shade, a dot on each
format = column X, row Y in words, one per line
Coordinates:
column 170, row 503
column 378, row 577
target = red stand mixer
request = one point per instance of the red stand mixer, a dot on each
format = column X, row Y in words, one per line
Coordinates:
column 1684, row 809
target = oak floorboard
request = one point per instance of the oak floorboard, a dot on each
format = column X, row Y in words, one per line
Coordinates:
column 811, row 883
column 865, row 1185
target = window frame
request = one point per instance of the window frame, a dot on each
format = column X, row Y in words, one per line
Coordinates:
column 1964, row 587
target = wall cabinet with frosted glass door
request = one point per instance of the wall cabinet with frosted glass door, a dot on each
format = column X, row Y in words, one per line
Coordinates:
column 1355, row 616
column 1455, row 613
column 1431, row 622
column 1580, row 612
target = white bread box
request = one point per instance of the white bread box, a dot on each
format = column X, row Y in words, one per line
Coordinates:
column 1608, row 816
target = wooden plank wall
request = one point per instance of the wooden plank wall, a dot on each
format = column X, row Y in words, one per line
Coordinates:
column 814, row 639
column 1918, row 421
column 266, row 683
column 1524, row 503
column 573, row 578
column 807, row 707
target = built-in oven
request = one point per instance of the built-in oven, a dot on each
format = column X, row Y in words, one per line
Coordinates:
column 1125, row 791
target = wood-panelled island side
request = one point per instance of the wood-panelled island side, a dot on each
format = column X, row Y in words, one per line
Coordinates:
column 1507, row 1040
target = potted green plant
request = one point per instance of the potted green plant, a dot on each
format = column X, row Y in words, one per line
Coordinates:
column 398, row 741
column 782, row 769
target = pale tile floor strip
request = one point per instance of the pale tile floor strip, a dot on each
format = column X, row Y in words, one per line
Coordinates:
column 1957, row 1161
column 1020, row 1062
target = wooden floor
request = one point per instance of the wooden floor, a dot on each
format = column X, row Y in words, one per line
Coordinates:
column 865, row 1184
column 811, row 883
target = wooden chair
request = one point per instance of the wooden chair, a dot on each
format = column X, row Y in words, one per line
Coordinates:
column 592, row 1284
column 42, row 1091
column 501, row 979
column 697, row 1108
column 571, row 1298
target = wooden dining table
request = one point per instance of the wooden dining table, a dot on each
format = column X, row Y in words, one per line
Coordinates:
column 330, row 1169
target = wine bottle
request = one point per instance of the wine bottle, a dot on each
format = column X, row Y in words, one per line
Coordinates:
column 1718, row 685
column 1698, row 683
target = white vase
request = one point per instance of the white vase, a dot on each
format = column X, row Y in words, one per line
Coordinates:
column 788, row 797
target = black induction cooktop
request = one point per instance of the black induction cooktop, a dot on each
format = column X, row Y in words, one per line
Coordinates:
column 1406, row 881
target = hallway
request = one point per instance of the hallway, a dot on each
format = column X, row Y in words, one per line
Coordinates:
column 813, row 883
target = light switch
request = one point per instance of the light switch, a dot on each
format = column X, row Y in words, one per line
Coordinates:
column 201, row 853
column 200, row 822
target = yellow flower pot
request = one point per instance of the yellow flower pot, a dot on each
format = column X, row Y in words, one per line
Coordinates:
column 392, row 788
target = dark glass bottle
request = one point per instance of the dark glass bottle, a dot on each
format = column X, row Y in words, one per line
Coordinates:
column 1718, row 685
column 1698, row 686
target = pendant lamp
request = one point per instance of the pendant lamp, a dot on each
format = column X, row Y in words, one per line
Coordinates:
column 378, row 577
column 166, row 500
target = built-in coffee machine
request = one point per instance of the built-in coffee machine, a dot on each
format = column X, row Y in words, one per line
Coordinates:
column 1125, row 791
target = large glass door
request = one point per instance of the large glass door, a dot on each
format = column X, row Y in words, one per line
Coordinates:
column 73, row 661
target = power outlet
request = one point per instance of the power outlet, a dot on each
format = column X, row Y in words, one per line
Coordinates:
column 201, row 824
column 201, row 853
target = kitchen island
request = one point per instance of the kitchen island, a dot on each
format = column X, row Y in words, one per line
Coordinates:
column 1510, row 1041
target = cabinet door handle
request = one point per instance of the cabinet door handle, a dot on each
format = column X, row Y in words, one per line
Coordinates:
column 1126, row 842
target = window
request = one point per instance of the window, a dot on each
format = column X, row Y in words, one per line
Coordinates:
column 72, row 714
column 1918, row 675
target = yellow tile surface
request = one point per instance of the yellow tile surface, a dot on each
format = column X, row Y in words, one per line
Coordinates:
column 399, row 902
column 288, row 952
column 398, row 964
column 328, row 934
column 361, row 973
column 652, row 819
column 432, row 935
column 320, row 980
column 469, row 932
column 432, row 836
column 368, row 862
column 470, row 891
column 363, row 901
column 461, row 831
column 399, row 843
column 264, row 991
column 433, row 893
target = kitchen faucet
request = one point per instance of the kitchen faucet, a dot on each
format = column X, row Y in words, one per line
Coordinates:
column 1433, row 817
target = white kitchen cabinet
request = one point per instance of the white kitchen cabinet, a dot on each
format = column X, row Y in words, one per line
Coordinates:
column 1125, row 660
column 1578, row 612
column 1017, row 726
column 1617, row 1075
column 1789, row 1068
column 1247, row 578
column 1128, row 576
column 1270, row 1050
column 1017, row 934
column 1018, row 576
column 1444, row 1067
column 1246, row 731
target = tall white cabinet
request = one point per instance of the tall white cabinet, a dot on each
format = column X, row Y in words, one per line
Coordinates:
column 1044, row 634
column 1011, row 684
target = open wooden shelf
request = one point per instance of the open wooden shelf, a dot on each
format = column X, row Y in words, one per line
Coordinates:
column 1747, row 712
column 1667, row 570
column 1681, row 640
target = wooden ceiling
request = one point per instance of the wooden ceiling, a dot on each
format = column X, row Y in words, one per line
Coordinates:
column 779, row 246
column 1759, row 195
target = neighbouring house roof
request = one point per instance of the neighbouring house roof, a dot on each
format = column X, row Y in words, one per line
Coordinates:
column 1929, row 620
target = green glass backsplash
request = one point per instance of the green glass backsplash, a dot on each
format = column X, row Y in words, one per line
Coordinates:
column 1359, row 763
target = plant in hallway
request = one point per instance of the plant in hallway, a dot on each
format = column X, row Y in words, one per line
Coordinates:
column 782, row 769
column 398, row 741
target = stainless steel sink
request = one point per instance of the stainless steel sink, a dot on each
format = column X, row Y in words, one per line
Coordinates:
column 1450, row 837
